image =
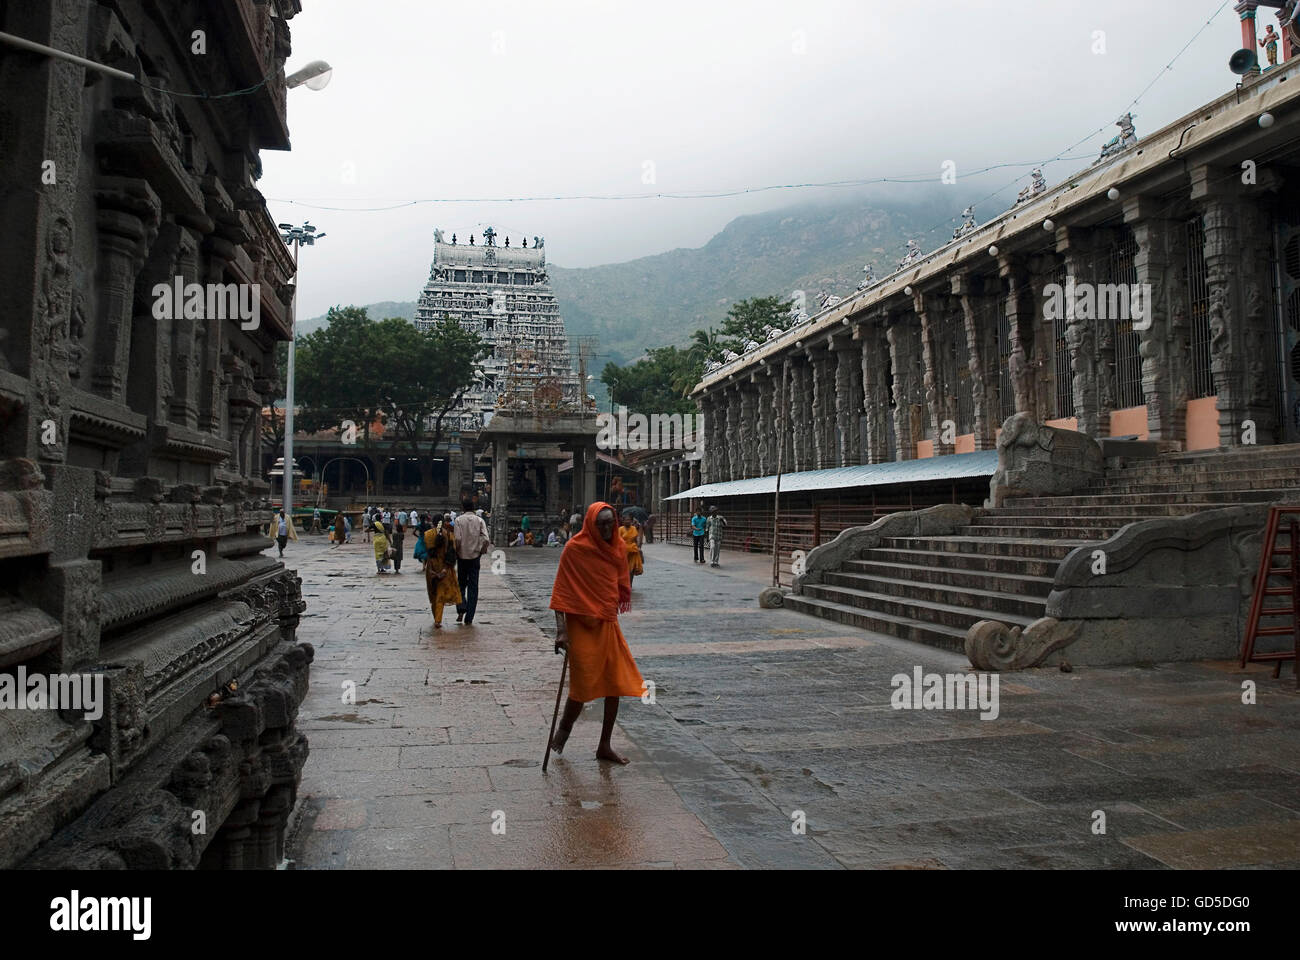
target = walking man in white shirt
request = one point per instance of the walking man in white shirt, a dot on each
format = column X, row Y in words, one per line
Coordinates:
column 471, row 543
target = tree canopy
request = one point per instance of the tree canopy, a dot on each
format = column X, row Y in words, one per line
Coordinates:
column 385, row 371
column 661, row 381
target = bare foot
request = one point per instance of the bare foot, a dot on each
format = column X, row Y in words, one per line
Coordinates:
column 560, row 739
column 607, row 753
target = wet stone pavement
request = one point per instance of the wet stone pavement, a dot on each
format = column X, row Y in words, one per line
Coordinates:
column 761, row 720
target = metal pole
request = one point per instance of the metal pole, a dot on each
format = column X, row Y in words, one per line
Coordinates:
column 25, row 44
column 288, row 394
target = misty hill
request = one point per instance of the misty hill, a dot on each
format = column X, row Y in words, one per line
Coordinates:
column 376, row 311
column 662, row 299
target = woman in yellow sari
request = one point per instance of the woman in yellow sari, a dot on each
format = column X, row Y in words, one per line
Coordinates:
column 631, row 536
column 381, row 547
column 440, row 570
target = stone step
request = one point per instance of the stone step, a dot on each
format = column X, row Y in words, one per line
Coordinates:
column 984, row 597
column 1069, row 529
column 965, row 578
column 1290, row 473
column 1257, row 454
column 1234, row 485
column 905, row 628
column 951, row 563
column 927, row 611
column 1051, row 507
column 1208, row 499
column 1081, row 516
column 1018, row 547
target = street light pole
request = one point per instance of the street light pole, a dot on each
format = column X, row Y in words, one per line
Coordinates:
column 297, row 236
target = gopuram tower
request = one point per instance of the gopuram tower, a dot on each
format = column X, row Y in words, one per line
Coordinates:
column 503, row 294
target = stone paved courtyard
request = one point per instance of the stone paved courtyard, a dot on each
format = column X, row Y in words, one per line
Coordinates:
column 757, row 715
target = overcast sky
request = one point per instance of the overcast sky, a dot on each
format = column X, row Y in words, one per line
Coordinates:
column 432, row 100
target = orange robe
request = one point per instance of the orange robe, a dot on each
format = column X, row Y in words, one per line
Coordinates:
column 630, row 536
column 591, row 589
column 600, row 663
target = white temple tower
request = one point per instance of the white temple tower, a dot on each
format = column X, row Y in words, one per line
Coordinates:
column 503, row 294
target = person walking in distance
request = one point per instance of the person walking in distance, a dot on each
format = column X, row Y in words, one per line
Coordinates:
column 698, row 525
column 281, row 532
column 592, row 588
column 398, row 538
column 472, row 542
column 440, row 569
column 713, row 527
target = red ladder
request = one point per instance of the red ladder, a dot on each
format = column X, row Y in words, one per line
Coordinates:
column 1291, row 590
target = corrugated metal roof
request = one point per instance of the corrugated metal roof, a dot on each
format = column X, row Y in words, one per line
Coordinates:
column 956, row 467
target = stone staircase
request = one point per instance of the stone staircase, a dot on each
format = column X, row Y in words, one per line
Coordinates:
column 1002, row 566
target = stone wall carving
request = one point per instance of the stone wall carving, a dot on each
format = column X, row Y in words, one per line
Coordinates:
column 109, row 398
column 1037, row 460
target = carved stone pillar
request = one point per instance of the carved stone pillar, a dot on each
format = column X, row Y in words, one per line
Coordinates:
column 748, row 431
column 800, row 416
column 187, row 344
column 127, row 211
column 1084, row 335
column 735, row 452
column 1159, row 261
column 932, row 378
column 36, row 273
column 847, row 356
column 823, row 409
column 763, row 437
column 1237, row 239
column 875, row 398
column 904, row 357
column 713, row 448
column 982, row 362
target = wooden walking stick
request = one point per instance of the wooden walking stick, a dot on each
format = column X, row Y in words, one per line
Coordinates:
column 555, row 716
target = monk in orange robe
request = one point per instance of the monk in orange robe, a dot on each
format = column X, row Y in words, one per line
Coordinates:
column 591, row 589
column 632, row 539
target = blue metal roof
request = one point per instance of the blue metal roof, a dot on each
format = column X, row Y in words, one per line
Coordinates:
column 959, row 466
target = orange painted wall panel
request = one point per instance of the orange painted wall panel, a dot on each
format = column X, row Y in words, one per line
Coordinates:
column 1203, row 423
column 925, row 450
column 1132, row 420
column 966, row 443
column 1069, row 423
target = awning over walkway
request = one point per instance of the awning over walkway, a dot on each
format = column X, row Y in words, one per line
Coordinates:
column 959, row 466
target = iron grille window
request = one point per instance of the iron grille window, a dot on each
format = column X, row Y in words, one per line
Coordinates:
column 1006, row 395
column 1198, row 300
column 1121, row 268
column 1062, row 377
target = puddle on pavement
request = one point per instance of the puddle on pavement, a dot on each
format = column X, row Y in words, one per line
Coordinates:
column 345, row 718
column 590, row 804
column 520, row 763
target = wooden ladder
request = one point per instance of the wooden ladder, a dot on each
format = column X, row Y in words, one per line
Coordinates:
column 1291, row 591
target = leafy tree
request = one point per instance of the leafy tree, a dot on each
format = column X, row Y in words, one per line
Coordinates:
column 748, row 320
column 386, row 371
column 657, row 383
